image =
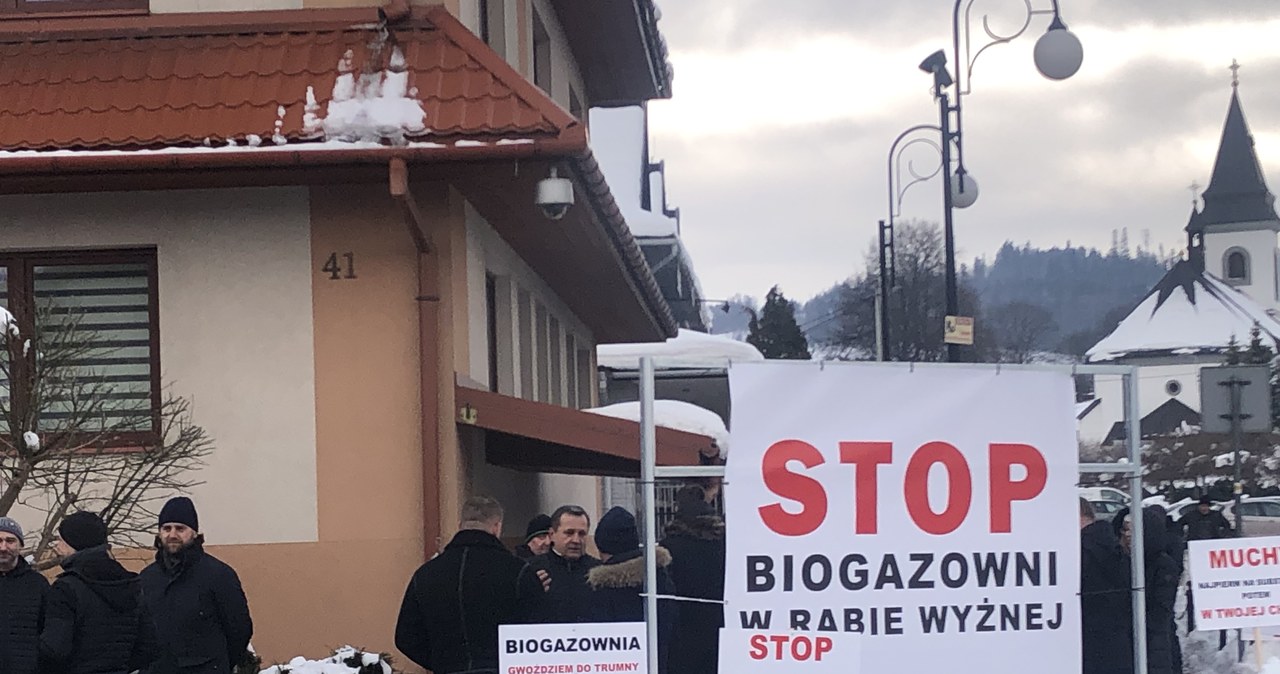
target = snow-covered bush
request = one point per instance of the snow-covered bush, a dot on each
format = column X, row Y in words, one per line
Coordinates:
column 345, row 660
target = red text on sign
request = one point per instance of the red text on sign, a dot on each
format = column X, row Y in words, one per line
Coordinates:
column 799, row 648
column 1240, row 557
column 867, row 457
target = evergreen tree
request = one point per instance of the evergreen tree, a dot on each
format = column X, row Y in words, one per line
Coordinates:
column 774, row 329
column 1259, row 352
column 1232, row 354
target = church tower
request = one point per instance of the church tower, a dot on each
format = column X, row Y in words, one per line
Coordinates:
column 1233, row 236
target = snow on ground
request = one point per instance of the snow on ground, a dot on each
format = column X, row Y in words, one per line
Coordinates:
column 346, row 660
column 1200, row 653
column 688, row 349
column 677, row 414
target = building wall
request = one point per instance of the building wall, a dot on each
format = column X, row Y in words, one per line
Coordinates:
column 225, row 343
column 1261, row 248
column 562, row 349
column 309, row 387
column 1153, row 382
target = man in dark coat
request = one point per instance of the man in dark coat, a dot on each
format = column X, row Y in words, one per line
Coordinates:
column 1161, row 584
column 1105, row 608
column 1205, row 523
column 95, row 622
column 201, row 615
column 617, row 584
column 23, row 592
column 455, row 602
column 553, row 585
column 537, row 538
column 695, row 539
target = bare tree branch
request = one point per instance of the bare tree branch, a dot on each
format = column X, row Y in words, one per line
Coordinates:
column 100, row 446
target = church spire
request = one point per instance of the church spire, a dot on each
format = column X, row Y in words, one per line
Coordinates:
column 1237, row 192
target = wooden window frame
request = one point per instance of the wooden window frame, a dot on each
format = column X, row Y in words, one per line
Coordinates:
column 21, row 303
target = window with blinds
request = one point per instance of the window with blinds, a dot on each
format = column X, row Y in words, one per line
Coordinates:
column 93, row 319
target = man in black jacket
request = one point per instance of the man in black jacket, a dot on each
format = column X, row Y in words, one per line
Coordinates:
column 695, row 539
column 567, row 599
column 201, row 614
column 95, row 622
column 1205, row 523
column 617, row 583
column 1105, row 609
column 22, row 599
column 455, row 602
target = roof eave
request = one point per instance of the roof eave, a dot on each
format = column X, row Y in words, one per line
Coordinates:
column 629, row 68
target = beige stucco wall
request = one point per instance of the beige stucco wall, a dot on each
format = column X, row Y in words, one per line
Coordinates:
column 235, row 330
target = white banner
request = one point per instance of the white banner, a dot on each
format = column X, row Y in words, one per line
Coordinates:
column 1235, row 582
column 926, row 516
column 587, row 648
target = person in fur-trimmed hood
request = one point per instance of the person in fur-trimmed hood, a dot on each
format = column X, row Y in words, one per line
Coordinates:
column 617, row 585
column 695, row 539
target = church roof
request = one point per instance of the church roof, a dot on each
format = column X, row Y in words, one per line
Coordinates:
column 1237, row 191
column 1188, row 312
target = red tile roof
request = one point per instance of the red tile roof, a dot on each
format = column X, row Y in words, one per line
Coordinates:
column 89, row 98
column 130, row 83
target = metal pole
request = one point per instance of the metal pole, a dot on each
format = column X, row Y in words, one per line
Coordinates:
column 882, row 300
column 648, row 462
column 1137, row 562
column 1237, row 441
column 944, row 109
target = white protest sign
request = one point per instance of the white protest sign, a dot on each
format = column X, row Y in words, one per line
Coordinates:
column 930, row 512
column 1235, row 582
column 586, row 648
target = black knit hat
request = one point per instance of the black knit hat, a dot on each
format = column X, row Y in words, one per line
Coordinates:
column 616, row 533
column 538, row 526
column 180, row 510
column 83, row 530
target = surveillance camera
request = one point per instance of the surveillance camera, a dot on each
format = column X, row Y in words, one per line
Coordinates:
column 555, row 196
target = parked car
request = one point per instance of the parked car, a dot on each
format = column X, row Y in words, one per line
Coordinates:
column 1261, row 516
column 1106, row 510
column 1104, row 494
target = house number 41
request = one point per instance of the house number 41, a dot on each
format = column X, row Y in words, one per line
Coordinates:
column 334, row 266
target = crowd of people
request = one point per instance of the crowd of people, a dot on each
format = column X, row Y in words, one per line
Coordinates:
column 455, row 602
column 1106, row 584
column 185, row 613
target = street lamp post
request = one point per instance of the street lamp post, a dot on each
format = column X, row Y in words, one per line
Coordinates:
column 1058, row 55
column 888, row 260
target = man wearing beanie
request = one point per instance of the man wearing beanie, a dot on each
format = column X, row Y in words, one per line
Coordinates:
column 617, row 585
column 95, row 622
column 553, row 585
column 201, row 614
column 537, row 538
column 23, row 593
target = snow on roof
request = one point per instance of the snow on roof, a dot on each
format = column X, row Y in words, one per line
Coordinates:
column 675, row 414
column 618, row 144
column 688, row 349
column 1187, row 312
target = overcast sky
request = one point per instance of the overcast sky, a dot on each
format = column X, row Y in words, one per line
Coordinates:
column 777, row 137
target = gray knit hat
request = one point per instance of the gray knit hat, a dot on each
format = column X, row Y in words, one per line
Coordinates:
column 10, row 526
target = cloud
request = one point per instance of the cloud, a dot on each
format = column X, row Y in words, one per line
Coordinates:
column 796, row 203
column 748, row 24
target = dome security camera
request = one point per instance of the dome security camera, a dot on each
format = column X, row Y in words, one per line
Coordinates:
column 555, row 196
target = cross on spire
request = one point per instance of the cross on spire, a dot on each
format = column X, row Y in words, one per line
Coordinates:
column 1195, row 191
column 1235, row 73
